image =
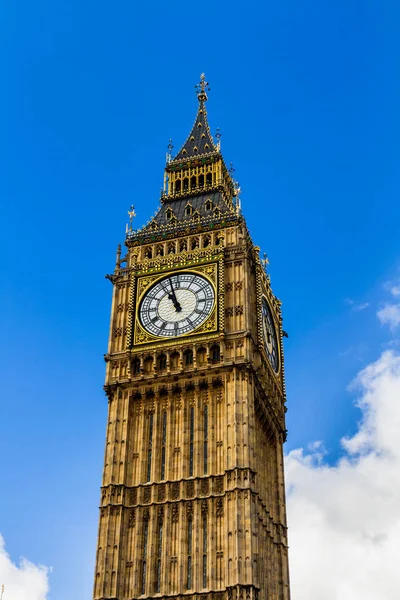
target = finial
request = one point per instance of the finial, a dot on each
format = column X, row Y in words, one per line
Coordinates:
column 131, row 214
column 201, row 88
column 117, row 265
column 231, row 170
column 218, row 136
column 265, row 261
column 169, row 153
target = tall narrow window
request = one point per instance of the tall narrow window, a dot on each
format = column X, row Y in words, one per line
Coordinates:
column 205, row 446
column 163, row 445
column 149, row 449
column 190, row 550
column 144, row 557
column 204, row 550
column 191, row 440
column 159, row 555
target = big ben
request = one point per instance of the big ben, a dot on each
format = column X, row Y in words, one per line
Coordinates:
column 193, row 497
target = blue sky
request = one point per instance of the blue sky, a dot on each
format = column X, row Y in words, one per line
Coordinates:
column 306, row 95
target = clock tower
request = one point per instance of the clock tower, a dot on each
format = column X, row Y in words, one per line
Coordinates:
column 193, row 496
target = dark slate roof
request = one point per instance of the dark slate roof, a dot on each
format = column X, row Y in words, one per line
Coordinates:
column 199, row 137
column 198, row 203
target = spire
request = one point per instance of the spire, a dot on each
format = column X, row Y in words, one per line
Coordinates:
column 200, row 141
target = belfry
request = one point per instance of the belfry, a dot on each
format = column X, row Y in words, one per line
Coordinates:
column 193, row 497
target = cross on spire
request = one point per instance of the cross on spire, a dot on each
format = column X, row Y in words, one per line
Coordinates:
column 202, row 87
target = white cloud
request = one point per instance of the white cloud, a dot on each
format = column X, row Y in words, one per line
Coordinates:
column 25, row 581
column 344, row 520
column 395, row 290
column 390, row 315
column 393, row 287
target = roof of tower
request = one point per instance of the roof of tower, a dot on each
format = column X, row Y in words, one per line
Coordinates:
column 199, row 141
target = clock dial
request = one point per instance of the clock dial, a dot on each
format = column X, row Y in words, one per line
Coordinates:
column 176, row 304
column 269, row 335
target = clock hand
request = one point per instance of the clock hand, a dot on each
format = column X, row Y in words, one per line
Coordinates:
column 173, row 297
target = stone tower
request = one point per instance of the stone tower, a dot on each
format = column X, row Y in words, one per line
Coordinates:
column 193, row 497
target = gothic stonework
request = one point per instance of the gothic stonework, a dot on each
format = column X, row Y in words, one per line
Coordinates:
column 193, row 498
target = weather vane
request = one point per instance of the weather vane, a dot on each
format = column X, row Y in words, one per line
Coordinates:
column 265, row 261
column 202, row 88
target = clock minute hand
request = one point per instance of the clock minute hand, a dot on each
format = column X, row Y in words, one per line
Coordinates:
column 173, row 297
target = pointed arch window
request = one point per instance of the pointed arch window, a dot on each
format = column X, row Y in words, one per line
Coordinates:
column 163, row 444
column 178, row 186
column 188, row 210
column 191, row 440
column 188, row 358
column 206, row 241
column 150, row 447
column 201, row 357
column 174, row 360
column 148, row 364
column 185, row 184
column 144, row 557
column 161, row 362
column 136, row 366
column 159, row 554
column 189, row 551
column 205, row 533
column 215, row 353
column 169, row 213
column 205, row 441
column 209, row 178
column 195, row 243
column 208, row 205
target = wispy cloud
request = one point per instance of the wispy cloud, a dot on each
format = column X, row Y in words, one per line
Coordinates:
column 25, row 581
column 354, row 305
column 362, row 306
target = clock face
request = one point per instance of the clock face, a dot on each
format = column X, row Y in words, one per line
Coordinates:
column 176, row 304
column 269, row 335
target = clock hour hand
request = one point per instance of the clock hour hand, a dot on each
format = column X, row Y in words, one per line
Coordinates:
column 173, row 297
